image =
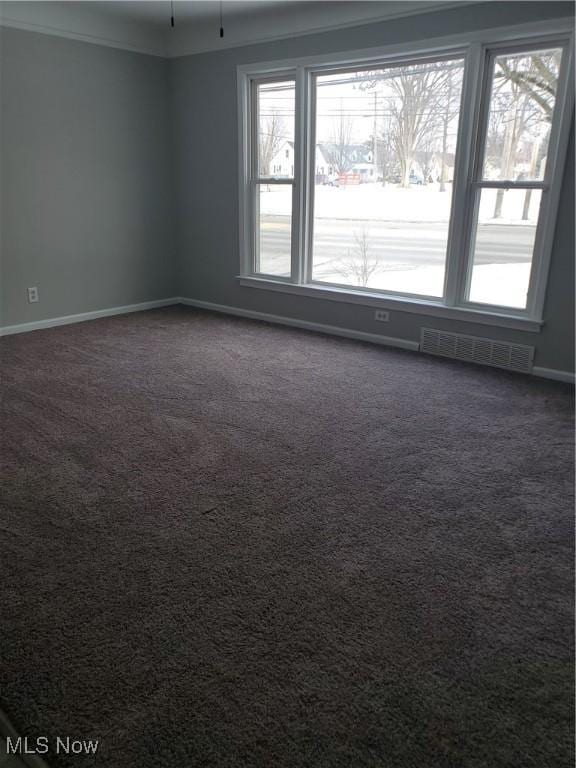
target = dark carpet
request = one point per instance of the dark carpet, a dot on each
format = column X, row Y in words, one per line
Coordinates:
column 224, row 543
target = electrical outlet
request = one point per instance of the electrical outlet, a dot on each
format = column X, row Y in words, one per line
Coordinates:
column 381, row 315
column 32, row 295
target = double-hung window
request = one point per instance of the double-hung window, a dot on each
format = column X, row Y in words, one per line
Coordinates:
column 512, row 172
column 272, row 110
column 425, row 179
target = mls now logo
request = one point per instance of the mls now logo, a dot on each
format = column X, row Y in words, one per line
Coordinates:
column 22, row 745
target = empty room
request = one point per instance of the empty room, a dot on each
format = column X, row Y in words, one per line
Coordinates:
column 287, row 384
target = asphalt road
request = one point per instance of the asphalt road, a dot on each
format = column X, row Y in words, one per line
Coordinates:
column 397, row 245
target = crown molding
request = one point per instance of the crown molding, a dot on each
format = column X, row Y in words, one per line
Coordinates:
column 190, row 38
column 82, row 24
column 84, row 37
column 189, row 41
column 76, row 21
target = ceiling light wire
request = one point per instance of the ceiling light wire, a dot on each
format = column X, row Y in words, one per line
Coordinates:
column 221, row 25
column 172, row 13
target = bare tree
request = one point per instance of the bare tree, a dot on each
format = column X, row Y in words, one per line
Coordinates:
column 539, row 80
column 514, row 127
column 385, row 159
column 271, row 135
column 419, row 92
column 425, row 154
column 419, row 97
column 522, row 100
column 451, row 108
column 361, row 264
column 338, row 152
column 524, row 91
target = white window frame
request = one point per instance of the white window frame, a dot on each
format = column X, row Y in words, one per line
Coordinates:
column 253, row 178
column 476, row 48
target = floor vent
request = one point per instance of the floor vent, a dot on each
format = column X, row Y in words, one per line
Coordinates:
column 501, row 354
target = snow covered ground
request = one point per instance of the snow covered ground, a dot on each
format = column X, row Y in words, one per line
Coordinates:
column 407, row 232
column 497, row 284
column 393, row 203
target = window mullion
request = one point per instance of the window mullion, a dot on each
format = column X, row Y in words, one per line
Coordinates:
column 311, row 175
column 246, row 150
column 253, row 202
column 299, row 192
column 487, row 184
column 273, row 180
column 462, row 192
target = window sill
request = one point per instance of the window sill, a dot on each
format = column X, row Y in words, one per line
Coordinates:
column 410, row 305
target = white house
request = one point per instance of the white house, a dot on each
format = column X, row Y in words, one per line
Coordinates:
column 358, row 160
column 282, row 163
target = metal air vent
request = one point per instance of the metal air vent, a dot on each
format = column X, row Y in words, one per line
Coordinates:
column 474, row 349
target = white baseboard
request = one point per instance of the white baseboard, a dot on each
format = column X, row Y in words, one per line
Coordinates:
column 389, row 341
column 333, row 330
column 51, row 322
column 552, row 373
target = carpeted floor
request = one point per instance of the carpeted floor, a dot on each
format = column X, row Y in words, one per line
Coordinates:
column 226, row 544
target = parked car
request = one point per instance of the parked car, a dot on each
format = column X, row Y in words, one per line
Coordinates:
column 416, row 178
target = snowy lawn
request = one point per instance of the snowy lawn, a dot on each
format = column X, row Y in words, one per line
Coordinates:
column 390, row 203
column 406, row 231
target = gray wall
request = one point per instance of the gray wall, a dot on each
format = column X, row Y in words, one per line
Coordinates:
column 119, row 180
column 205, row 140
column 86, row 206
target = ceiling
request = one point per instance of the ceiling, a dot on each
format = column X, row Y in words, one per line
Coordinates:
column 145, row 26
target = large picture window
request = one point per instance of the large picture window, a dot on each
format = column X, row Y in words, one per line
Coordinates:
column 385, row 149
column 429, row 179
